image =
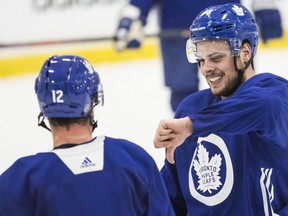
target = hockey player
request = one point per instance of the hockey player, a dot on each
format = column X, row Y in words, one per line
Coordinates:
column 82, row 175
column 174, row 17
column 227, row 149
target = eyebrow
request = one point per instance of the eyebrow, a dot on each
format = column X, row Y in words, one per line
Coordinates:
column 214, row 54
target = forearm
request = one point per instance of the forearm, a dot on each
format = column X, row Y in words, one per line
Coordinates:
column 237, row 115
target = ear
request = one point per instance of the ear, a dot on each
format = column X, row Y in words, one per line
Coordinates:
column 246, row 52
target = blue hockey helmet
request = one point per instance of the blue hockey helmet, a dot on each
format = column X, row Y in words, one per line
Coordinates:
column 66, row 87
column 232, row 22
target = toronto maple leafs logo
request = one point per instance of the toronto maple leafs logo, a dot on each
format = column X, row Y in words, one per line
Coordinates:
column 207, row 170
column 211, row 177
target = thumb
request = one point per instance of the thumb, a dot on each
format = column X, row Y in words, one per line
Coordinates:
column 170, row 154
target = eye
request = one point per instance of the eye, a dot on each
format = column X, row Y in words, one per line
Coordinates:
column 200, row 62
column 216, row 59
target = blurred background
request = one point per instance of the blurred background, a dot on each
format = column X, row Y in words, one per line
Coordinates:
column 135, row 96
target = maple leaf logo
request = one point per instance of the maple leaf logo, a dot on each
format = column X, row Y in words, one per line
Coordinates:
column 207, row 12
column 238, row 10
column 207, row 170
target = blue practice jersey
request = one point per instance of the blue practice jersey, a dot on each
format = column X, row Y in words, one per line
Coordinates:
column 236, row 161
column 103, row 177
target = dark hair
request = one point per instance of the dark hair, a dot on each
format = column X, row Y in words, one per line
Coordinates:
column 66, row 122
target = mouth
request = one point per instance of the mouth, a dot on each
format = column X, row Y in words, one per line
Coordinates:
column 215, row 78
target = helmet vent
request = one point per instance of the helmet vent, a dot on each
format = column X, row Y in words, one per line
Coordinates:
column 218, row 28
column 222, row 27
column 228, row 26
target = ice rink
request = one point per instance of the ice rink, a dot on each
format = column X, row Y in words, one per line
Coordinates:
column 135, row 101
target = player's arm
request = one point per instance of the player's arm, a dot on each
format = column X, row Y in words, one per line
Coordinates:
column 171, row 133
column 249, row 112
column 14, row 192
column 129, row 33
column 170, row 177
column 235, row 115
column 252, row 111
column 158, row 201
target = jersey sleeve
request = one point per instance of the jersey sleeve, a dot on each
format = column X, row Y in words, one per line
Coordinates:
column 159, row 203
column 147, row 181
column 14, row 192
column 158, row 199
column 254, row 111
column 169, row 174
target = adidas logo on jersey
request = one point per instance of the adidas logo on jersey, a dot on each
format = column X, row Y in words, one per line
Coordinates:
column 87, row 163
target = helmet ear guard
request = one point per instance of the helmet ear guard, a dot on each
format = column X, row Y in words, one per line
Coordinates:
column 99, row 96
column 231, row 22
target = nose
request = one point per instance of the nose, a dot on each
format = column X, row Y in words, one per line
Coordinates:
column 206, row 67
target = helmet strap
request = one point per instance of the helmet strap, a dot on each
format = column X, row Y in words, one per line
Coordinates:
column 241, row 71
column 240, row 75
column 41, row 121
column 94, row 124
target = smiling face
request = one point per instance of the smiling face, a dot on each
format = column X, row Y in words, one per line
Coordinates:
column 217, row 66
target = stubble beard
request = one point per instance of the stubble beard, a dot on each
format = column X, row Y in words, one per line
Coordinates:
column 231, row 86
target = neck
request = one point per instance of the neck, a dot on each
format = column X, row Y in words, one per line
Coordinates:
column 248, row 74
column 243, row 75
column 76, row 134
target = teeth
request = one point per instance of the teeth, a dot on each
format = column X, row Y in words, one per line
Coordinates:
column 214, row 79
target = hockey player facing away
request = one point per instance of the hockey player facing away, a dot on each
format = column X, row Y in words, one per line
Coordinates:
column 227, row 148
column 82, row 175
column 174, row 19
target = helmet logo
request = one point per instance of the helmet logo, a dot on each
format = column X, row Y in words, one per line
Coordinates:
column 207, row 12
column 198, row 29
column 238, row 10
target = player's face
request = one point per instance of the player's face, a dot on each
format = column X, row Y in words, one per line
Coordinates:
column 217, row 66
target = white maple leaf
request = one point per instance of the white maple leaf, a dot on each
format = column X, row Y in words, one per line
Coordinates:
column 207, row 170
column 238, row 10
column 207, row 12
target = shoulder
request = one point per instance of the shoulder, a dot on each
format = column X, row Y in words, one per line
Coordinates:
column 127, row 153
column 27, row 162
column 265, row 86
column 26, row 168
column 125, row 146
column 264, row 81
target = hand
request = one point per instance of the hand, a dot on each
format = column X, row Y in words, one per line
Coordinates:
column 172, row 133
column 129, row 33
column 268, row 19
